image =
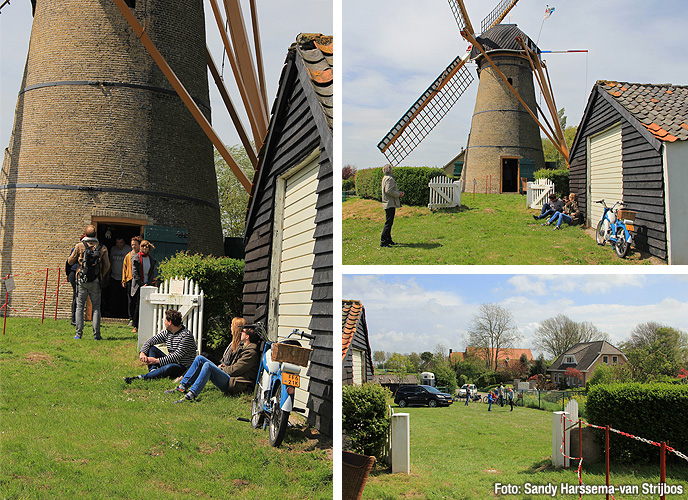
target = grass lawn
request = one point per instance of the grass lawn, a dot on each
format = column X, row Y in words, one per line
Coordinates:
column 71, row 428
column 460, row 452
column 492, row 229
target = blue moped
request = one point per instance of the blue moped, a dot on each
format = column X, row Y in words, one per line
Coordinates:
column 615, row 226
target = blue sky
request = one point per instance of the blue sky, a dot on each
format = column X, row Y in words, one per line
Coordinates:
column 416, row 312
column 397, row 49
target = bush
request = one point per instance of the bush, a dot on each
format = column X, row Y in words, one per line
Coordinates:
column 651, row 411
column 221, row 280
column 559, row 177
column 413, row 181
column 365, row 418
column 349, row 184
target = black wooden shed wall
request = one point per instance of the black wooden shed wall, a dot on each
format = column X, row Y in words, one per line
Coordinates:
column 295, row 132
column 358, row 342
column 643, row 177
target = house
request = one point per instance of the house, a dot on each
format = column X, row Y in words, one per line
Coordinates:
column 632, row 146
column 393, row 382
column 585, row 357
column 506, row 358
column 455, row 165
column 357, row 358
column 288, row 237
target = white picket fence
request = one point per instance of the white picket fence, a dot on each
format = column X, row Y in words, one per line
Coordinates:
column 181, row 294
column 444, row 193
column 538, row 191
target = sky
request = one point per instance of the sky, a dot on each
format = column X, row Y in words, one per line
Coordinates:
column 397, row 49
column 415, row 312
column 279, row 21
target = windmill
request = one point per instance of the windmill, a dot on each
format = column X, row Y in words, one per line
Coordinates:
column 504, row 141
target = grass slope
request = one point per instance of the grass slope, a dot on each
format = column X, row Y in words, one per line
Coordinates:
column 460, row 452
column 71, row 428
column 490, row 229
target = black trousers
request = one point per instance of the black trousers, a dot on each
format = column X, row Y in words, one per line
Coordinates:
column 386, row 237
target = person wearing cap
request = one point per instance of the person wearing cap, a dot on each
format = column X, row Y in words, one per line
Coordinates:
column 237, row 371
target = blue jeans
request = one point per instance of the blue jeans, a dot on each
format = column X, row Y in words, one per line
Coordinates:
column 560, row 217
column 547, row 210
column 84, row 290
column 467, row 398
column 171, row 370
column 200, row 372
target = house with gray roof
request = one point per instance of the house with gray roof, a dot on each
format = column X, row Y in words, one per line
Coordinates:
column 632, row 146
column 585, row 357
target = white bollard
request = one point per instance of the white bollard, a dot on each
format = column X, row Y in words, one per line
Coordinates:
column 146, row 315
column 558, row 459
column 401, row 443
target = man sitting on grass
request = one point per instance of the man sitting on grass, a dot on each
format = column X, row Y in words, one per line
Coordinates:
column 180, row 345
column 571, row 214
column 237, row 372
column 552, row 207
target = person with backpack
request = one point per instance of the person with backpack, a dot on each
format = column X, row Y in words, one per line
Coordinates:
column 94, row 264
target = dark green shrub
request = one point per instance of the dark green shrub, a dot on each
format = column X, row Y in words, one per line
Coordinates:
column 221, row 280
column 349, row 184
column 653, row 411
column 413, row 181
column 365, row 418
column 559, row 177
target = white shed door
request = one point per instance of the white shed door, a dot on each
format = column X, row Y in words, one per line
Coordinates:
column 606, row 174
column 296, row 259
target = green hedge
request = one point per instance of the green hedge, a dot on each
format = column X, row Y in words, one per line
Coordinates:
column 221, row 280
column 652, row 411
column 365, row 418
column 413, row 181
column 559, row 177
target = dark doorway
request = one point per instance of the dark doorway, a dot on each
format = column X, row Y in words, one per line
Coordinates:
column 114, row 296
column 509, row 175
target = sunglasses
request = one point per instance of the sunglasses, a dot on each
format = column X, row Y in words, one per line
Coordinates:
column 145, row 246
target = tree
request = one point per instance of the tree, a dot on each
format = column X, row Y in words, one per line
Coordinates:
column 348, row 171
column 397, row 363
column 551, row 153
column 426, row 358
column 557, row 335
column 573, row 374
column 540, row 366
column 492, row 329
column 232, row 196
column 379, row 357
column 655, row 351
column 413, row 363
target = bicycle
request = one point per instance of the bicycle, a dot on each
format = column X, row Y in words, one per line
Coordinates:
column 615, row 226
column 279, row 375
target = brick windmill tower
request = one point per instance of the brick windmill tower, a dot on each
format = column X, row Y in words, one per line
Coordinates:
column 101, row 137
column 504, row 143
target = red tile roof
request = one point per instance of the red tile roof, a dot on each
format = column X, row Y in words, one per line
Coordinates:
column 351, row 312
column 504, row 354
column 662, row 109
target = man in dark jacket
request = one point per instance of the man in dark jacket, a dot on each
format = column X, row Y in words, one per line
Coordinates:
column 549, row 209
column 236, row 372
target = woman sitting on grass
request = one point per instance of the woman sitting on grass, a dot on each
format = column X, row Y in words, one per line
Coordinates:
column 236, row 372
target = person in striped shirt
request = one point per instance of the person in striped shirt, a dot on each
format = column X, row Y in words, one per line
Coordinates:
column 181, row 347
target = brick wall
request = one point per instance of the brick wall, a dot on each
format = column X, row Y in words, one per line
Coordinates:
column 119, row 129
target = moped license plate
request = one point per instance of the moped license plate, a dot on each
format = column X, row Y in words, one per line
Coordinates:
column 629, row 227
column 291, row 379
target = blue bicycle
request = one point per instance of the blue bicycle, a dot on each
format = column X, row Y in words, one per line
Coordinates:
column 278, row 377
column 616, row 226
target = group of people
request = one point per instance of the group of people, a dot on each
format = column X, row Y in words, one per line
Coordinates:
column 499, row 395
column 91, row 268
column 236, row 372
column 558, row 210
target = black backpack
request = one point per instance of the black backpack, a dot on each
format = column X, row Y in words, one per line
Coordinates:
column 90, row 265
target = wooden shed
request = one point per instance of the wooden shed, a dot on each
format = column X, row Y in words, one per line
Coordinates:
column 631, row 147
column 357, row 358
column 288, row 237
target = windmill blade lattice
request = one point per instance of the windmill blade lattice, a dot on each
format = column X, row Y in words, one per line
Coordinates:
column 460, row 15
column 497, row 14
column 426, row 112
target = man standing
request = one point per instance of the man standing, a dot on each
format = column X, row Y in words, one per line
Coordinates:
column 116, row 295
column 127, row 276
column 181, row 347
column 94, row 264
column 390, row 202
column 501, row 395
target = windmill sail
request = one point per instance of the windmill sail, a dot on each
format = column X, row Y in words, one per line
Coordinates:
column 497, row 14
column 426, row 112
column 461, row 16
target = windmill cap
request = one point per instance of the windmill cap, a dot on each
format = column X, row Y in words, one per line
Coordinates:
column 502, row 37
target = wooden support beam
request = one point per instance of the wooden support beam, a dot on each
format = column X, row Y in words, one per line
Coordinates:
column 471, row 39
column 219, row 82
column 255, row 115
column 247, row 68
column 467, row 20
column 182, row 92
column 259, row 50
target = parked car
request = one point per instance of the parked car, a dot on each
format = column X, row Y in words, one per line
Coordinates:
column 462, row 391
column 421, row 395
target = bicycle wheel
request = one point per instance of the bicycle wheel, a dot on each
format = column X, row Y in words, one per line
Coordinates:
column 257, row 416
column 599, row 233
column 621, row 246
column 278, row 418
